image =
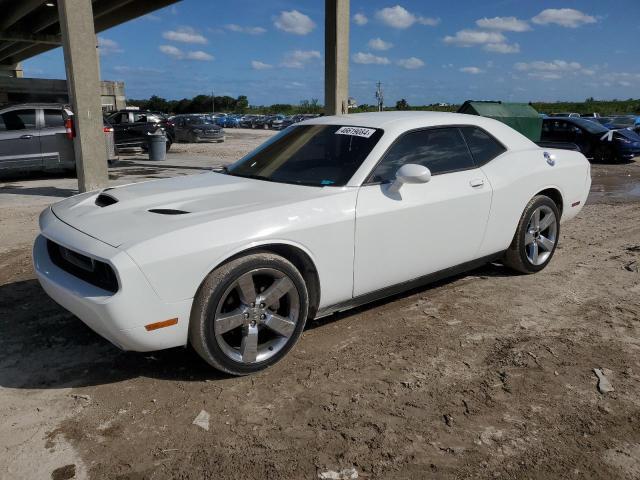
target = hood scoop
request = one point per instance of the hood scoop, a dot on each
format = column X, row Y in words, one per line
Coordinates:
column 104, row 200
column 168, row 211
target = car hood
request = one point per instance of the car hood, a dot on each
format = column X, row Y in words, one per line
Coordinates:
column 129, row 214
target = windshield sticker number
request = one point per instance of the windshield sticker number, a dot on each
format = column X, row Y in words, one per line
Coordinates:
column 356, row 131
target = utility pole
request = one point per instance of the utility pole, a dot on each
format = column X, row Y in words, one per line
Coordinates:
column 380, row 96
column 213, row 102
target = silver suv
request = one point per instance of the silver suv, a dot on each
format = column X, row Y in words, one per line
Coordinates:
column 33, row 137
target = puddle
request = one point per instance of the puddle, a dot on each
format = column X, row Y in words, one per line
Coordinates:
column 615, row 186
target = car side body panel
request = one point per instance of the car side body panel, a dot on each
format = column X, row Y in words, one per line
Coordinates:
column 568, row 172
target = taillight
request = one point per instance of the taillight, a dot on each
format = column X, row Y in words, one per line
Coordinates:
column 107, row 129
column 69, row 129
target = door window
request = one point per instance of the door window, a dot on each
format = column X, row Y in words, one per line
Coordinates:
column 483, row 146
column 53, row 118
column 441, row 150
column 19, row 119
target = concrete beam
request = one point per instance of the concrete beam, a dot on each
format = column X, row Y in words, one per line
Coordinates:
column 10, row 36
column 83, row 80
column 336, row 57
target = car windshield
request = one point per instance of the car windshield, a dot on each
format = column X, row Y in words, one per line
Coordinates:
column 315, row 155
column 590, row 126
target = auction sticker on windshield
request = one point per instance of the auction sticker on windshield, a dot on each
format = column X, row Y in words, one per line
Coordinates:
column 356, row 131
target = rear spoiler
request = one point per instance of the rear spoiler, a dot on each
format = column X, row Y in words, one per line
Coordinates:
column 559, row 145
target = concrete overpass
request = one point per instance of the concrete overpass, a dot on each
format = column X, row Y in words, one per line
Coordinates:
column 31, row 27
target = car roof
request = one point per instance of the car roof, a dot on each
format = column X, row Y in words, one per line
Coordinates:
column 397, row 123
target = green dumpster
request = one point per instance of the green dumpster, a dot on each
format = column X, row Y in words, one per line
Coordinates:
column 519, row 116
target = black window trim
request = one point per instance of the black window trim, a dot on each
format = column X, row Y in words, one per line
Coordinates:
column 369, row 179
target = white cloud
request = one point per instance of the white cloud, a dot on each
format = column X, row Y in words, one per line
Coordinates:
column 294, row 22
column 400, row 17
column 107, row 46
column 379, row 44
column 136, row 70
column 411, row 63
column 298, row 58
column 553, row 70
column 471, row 70
column 429, row 21
column 468, row 38
column 565, row 17
column 200, row 56
column 178, row 54
column 507, row 24
column 370, row 58
column 258, row 65
column 250, row 30
column 171, row 51
column 554, row 66
column 502, row 47
column 184, row 35
column 360, row 19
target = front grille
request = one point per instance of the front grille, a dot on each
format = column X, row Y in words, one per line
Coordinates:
column 95, row 272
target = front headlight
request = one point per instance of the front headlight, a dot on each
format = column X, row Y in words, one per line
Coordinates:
column 197, row 130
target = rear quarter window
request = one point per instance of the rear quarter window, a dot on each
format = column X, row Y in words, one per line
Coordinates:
column 483, row 146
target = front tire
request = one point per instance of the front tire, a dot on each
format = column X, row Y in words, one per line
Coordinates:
column 536, row 237
column 249, row 313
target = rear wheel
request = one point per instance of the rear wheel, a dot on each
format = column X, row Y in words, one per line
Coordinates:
column 249, row 313
column 536, row 237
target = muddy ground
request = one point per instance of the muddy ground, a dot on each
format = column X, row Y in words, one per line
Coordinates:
column 485, row 375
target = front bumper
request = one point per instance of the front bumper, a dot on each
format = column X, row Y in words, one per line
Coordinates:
column 119, row 317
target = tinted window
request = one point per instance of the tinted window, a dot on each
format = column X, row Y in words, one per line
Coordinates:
column 483, row 146
column 19, row 119
column 318, row 155
column 440, row 150
column 53, row 118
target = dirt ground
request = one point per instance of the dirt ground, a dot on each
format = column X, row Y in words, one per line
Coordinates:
column 485, row 375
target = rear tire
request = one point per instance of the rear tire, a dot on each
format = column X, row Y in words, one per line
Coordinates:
column 249, row 313
column 536, row 237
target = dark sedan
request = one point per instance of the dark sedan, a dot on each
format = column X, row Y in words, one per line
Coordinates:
column 197, row 128
column 595, row 141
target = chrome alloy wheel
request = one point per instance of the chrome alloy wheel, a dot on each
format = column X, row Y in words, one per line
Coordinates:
column 541, row 235
column 257, row 315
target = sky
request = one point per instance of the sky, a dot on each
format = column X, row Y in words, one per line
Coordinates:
column 422, row 51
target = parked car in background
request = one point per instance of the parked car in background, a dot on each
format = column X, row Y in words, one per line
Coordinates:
column 594, row 140
column 564, row 114
column 132, row 128
column 35, row 137
column 228, row 121
column 252, row 121
column 197, row 128
column 286, row 122
column 334, row 213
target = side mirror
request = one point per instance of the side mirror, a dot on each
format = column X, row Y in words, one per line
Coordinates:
column 410, row 173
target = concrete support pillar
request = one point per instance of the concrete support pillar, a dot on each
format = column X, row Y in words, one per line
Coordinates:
column 14, row 71
column 336, row 54
column 83, row 82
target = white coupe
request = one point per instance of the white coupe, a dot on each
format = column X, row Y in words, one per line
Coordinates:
column 328, row 214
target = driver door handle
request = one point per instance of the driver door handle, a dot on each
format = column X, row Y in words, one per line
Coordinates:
column 26, row 137
column 476, row 182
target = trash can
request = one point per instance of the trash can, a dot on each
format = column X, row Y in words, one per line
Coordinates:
column 519, row 116
column 157, row 146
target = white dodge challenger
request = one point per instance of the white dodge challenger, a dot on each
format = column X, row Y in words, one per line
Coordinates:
column 328, row 214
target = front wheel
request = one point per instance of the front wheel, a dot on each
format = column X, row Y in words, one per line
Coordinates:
column 536, row 237
column 249, row 313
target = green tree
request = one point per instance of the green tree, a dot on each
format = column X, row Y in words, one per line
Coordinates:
column 402, row 105
column 242, row 104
